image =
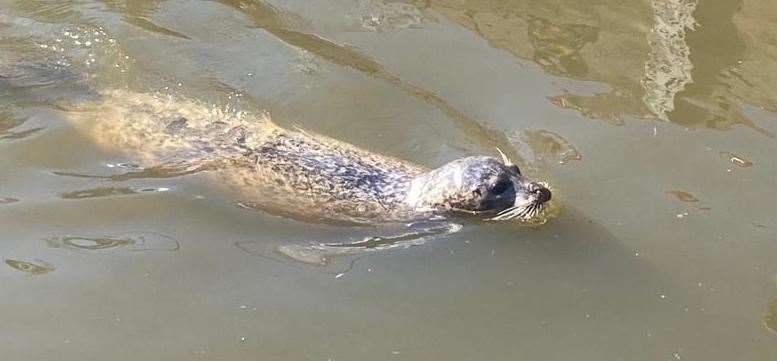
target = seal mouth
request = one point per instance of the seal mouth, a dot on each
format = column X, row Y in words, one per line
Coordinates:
column 529, row 210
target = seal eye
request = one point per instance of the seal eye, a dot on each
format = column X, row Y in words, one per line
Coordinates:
column 500, row 187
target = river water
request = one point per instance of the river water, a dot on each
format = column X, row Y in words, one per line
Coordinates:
column 655, row 121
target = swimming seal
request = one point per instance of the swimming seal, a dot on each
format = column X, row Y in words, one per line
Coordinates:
column 304, row 175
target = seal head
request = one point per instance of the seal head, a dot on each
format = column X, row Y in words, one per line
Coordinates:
column 479, row 185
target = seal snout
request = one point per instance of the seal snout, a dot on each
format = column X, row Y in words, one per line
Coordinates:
column 541, row 192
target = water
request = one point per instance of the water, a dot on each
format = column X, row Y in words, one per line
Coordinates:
column 653, row 120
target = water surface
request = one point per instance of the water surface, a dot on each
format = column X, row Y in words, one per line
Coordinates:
column 653, row 120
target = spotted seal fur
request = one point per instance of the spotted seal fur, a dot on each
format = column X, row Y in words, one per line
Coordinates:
column 298, row 173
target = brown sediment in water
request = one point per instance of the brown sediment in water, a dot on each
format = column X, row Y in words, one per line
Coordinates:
column 683, row 196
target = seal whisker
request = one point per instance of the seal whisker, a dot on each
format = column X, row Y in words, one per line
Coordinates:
column 510, row 213
column 523, row 212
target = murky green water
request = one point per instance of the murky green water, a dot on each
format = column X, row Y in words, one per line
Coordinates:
column 654, row 121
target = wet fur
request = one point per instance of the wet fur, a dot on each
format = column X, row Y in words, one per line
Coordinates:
column 293, row 172
column 268, row 167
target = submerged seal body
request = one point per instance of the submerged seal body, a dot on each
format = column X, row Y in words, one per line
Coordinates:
column 297, row 173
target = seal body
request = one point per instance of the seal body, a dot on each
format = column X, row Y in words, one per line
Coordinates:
column 336, row 180
column 297, row 173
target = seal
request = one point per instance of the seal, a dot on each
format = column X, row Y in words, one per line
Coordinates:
column 298, row 173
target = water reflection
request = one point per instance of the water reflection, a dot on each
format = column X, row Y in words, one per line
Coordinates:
column 139, row 13
column 166, row 170
column 695, row 64
column 47, row 9
column 338, row 257
column 100, row 192
column 283, row 25
column 668, row 68
column 544, row 146
column 45, row 69
column 377, row 15
column 8, row 123
column 36, row 267
column 770, row 317
column 133, row 241
column 736, row 159
column 6, row 200
column 717, row 52
column 557, row 46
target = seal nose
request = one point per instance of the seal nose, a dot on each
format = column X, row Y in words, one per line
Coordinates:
column 543, row 194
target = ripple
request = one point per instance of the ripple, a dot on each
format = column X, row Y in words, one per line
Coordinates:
column 737, row 160
column 9, row 123
column 6, row 200
column 20, row 134
column 543, row 145
column 166, row 170
column 148, row 25
column 36, row 267
column 274, row 21
column 47, row 9
column 95, row 243
column 340, row 257
column 98, row 192
column 132, row 241
column 124, row 165
column 109, row 192
column 382, row 16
